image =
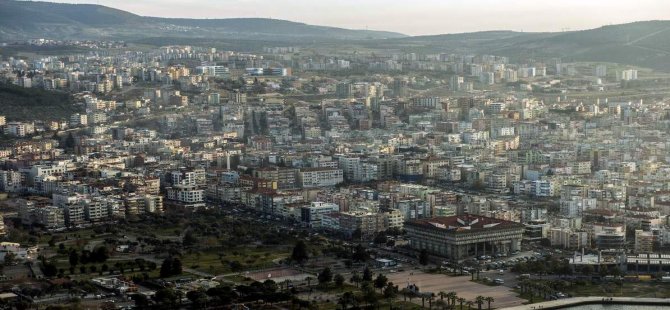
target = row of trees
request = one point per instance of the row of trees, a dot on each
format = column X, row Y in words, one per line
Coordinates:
column 267, row 291
column 447, row 300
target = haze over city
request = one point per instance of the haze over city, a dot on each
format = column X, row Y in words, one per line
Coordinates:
column 421, row 17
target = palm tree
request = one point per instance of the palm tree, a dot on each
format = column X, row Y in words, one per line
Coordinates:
column 479, row 300
column 442, row 294
column 452, row 297
column 406, row 292
column 431, row 298
column 489, row 300
column 461, row 300
column 470, row 303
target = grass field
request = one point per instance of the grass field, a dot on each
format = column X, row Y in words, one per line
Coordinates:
column 248, row 258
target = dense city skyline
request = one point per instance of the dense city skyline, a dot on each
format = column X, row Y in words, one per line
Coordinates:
column 150, row 162
column 442, row 17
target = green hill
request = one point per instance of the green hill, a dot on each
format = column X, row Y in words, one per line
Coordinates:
column 28, row 19
column 26, row 104
column 645, row 43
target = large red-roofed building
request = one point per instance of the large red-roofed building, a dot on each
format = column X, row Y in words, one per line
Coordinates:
column 458, row 237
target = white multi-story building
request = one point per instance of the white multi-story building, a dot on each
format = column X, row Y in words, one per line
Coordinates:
column 75, row 214
column 320, row 177
column 218, row 71
column 10, row 181
column 78, row 120
column 628, row 75
column 96, row 209
column 187, row 195
column 313, row 214
column 19, row 129
column 51, row 217
column 542, row 188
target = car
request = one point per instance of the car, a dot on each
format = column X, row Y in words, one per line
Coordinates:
column 499, row 281
column 501, row 271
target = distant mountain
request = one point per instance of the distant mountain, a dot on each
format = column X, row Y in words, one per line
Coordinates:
column 27, row 19
column 645, row 43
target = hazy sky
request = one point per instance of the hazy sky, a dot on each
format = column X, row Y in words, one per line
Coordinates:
column 413, row 17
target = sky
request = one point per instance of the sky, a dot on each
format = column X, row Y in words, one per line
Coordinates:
column 413, row 17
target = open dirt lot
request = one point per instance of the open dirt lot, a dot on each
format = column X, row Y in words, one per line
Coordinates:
column 278, row 275
column 504, row 296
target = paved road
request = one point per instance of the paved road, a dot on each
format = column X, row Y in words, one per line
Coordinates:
column 613, row 302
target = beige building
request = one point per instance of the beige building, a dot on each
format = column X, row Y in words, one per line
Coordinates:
column 644, row 242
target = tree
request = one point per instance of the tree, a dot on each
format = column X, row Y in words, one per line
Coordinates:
column 176, row 267
column 300, row 253
column 390, row 291
column 99, row 254
column 369, row 294
column 49, row 269
column 69, row 141
column 165, row 296
column 452, row 297
column 166, row 268
column 380, row 238
column 346, row 299
column 141, row 300
column 461, row 300
column 380, row 281
column 479, row 300
column 325, row 277
column 489, row 300
column 73, row 258
column 407, row 293
column 423, row 257
column 339, row 280
column 270, row 286
column 189, row 239
column 10, row 258
column 198, row 298
column 470, row 303
column 356, row 278
column 360, row 254
column 367, row 274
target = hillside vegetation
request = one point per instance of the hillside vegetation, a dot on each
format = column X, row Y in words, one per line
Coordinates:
column 26, row 104
column 30, row 19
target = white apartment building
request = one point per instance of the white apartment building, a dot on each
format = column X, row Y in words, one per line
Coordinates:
column 187, row 195
column 320, row 177
column 19, row 129
column 51, row 217
column 313, row 214
column 78, row 120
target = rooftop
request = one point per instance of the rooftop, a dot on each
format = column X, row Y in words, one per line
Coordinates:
column 462, row 223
